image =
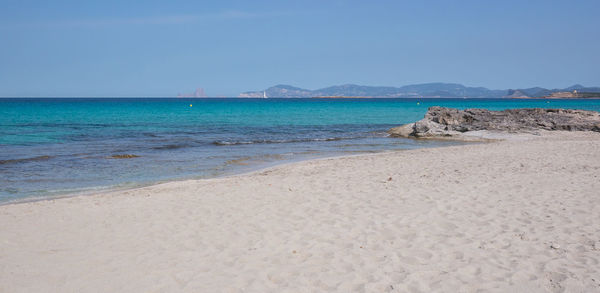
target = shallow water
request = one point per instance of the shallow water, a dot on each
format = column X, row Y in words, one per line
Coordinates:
column 60, row 146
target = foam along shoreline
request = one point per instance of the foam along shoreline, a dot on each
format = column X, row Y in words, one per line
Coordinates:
column 517, row 214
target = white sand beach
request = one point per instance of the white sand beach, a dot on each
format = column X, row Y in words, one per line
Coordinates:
column 521, row 215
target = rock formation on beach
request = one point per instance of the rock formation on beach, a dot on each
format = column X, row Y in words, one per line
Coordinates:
column 448, row 122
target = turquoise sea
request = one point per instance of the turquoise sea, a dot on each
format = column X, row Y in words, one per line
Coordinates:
column 57, row 146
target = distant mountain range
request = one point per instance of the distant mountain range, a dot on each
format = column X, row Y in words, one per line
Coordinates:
column 426, row 90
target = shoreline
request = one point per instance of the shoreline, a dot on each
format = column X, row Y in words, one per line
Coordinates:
column 101, row 190
column 497, row 216
column 273, row 165
column 98, row 190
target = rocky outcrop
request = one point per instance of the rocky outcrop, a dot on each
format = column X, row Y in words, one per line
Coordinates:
column 447, row 122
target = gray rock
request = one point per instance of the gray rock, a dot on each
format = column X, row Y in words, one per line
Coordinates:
column 444, row 122
column 405, row 130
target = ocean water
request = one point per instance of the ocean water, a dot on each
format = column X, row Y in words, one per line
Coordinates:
column 58, row 146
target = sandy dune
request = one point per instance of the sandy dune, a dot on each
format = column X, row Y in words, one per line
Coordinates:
column 512, row 216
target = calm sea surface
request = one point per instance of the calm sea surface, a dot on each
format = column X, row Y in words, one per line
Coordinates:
column 58, row 146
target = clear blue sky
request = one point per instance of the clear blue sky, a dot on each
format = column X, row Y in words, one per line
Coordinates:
column 160, row 48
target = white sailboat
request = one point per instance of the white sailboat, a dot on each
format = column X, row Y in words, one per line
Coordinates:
column 264, row 94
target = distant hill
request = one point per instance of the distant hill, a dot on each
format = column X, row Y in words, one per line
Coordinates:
column 538, row 92
column 426, row 90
